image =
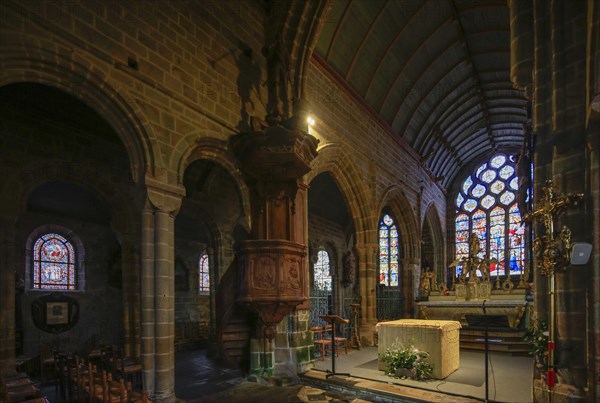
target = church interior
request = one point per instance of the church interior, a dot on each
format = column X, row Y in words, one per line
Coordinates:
column 268, row 181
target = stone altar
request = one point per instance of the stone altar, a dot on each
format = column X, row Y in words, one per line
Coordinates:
column 440, row 338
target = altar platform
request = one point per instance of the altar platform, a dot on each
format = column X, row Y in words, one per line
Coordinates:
column 510, row 378
column 515, row 310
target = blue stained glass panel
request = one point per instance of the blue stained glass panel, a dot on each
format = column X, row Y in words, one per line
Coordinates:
column 478, row 191
column 322, row 271
column 493, row 189
column 467, row 184
column 488, row 176
column 481, row 168
column 497, row 161
column 389, row 251
column 53, row 263
column 203, row 273
column 506, row 172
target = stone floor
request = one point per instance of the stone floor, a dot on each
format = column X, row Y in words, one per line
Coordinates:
column 200, row 379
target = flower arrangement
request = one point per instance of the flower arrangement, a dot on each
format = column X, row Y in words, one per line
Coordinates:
column 406, row 362
column 537, row 338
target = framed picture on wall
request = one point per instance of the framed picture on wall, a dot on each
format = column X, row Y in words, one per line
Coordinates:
column 57, row 313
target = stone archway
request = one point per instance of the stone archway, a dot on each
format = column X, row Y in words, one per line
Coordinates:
column 395, row 201
column 433, row 246
column 340, row 165
column 47, row 63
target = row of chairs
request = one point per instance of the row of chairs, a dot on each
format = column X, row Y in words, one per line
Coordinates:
column 323, row 341
column 19, row 388
column 111, row 358
column 80, row 381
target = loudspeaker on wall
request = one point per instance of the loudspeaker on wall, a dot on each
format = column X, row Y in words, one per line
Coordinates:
column 581, row 253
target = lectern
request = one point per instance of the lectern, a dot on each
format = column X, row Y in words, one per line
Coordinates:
column 333, row 320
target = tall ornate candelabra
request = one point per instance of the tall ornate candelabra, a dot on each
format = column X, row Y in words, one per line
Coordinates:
column 552, row 252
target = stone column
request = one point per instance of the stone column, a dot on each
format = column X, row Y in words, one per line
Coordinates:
column 593, row 308
column 7, row 294
column 158, row 289
column 147, row 299
column 164, row 303
column 367, row 280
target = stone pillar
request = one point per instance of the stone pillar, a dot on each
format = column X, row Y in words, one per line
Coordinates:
column 147, row 299
column 158, row 289
column 560, row 46
column 7, row 294
column 164, row 305
column 593, row 308
column 368, row 295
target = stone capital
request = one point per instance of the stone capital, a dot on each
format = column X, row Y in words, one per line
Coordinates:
column 164, row 196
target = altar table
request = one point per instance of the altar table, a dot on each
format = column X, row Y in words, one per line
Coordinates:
column 440, row 338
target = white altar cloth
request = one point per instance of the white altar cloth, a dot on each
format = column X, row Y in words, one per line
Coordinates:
column 440, row 338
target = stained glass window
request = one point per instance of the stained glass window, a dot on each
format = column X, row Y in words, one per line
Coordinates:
column 388, row 252
column 486, row 205
column 54, row 263
column 516, row 237
column 203, row 273
column 322, row 271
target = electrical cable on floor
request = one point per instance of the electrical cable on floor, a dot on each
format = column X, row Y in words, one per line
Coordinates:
column 440, row 384
column 493, row 375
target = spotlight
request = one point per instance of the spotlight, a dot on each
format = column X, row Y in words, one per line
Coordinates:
column 310, row 121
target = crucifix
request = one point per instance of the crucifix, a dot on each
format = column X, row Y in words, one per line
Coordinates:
column 552, row 252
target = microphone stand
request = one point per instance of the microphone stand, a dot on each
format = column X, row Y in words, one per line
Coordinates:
column 485, row 341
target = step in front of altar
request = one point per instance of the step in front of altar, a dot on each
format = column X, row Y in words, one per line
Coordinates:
column 506, row 320
column 505, row 341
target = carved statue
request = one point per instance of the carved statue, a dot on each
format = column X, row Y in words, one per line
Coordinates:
column 425, row 281
column 349, row 268
column 474, row 245
column 278, row 77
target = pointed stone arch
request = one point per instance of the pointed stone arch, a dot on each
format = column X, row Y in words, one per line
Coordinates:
column 433, row 221
column 49, row 63
column 333, row 159
column 395, row 201
column 209, row 148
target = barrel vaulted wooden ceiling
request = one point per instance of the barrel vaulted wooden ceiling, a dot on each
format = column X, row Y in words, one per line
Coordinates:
column 437, row 72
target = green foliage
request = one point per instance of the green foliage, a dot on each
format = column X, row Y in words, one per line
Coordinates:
column 407, row 358
column 537, row 337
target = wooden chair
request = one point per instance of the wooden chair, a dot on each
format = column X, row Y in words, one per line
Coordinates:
column 47, row 361
column 94, row 350
column 136, row 396
column 114, row 391
column 321, row 342
column 61, row 370
column 126, row 368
